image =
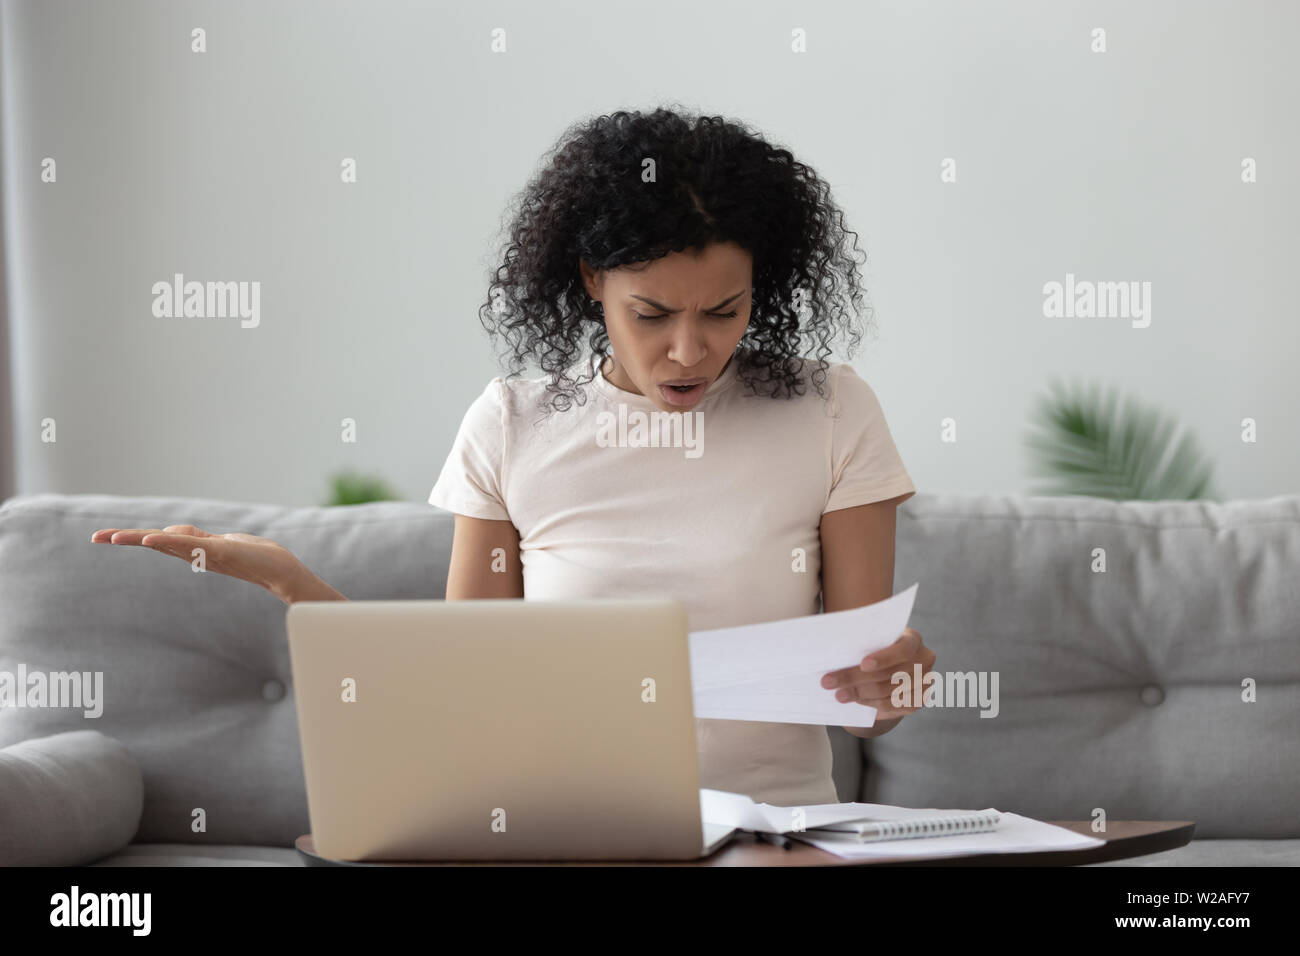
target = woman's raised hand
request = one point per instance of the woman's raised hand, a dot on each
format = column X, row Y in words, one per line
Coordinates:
column 257, row 560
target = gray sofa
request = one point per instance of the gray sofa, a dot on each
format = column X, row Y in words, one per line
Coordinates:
column 1119, row 690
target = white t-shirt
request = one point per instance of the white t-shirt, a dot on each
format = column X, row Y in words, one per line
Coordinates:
column 710, row 514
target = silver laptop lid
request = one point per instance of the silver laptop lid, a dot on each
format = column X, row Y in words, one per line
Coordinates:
column 497, row 729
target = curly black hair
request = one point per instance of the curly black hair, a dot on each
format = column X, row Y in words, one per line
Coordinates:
column 716, row 181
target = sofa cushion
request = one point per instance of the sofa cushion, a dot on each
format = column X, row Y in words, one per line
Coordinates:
column 66, row 799
column 1120, row 690
column 194, row 666
column 187, row 854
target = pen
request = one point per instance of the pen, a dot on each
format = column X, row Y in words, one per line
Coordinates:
column 776, row 839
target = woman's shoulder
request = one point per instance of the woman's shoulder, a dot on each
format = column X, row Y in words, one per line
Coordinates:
column 513, row 400
column 850, row 393
column 814, row 381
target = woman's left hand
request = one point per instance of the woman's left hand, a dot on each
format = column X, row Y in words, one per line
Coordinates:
column 869, row 683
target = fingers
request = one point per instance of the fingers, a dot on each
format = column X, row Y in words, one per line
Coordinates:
column 871, row 682
column 123, row 535
column 885, row 710
column 190, row 530
column 880, row 665
column 177, row 545
column 903, row 649
column 876, row 684
column 839, row 678
column 177, row 540
column 862, row 691
column 134, row 535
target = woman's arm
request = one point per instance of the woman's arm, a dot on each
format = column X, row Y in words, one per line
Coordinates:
column 858, row 567
column 484, row 560
column 484, row 564
column 305, row 586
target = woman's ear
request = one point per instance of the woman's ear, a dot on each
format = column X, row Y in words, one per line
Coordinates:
column 589, row 279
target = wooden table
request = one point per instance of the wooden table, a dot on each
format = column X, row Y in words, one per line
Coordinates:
column 1124, row 839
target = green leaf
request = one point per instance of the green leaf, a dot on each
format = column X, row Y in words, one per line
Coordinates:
column 1090, row 445
column 350, row 489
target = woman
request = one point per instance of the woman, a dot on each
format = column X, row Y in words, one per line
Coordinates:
column 696, row 453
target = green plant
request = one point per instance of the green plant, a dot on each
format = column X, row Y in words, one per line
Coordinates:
column 1091, row 446
column 351, row 489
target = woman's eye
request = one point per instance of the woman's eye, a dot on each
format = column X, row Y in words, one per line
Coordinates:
column 718, row 315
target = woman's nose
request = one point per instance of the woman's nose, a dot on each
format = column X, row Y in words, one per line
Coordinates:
column 688, row 348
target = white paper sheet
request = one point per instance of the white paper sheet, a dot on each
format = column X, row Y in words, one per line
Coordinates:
column 772, row 671
column 1015, row 833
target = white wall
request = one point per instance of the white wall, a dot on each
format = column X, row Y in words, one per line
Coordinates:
column 1123, row 165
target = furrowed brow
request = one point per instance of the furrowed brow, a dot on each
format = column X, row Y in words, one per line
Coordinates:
column 664, row 308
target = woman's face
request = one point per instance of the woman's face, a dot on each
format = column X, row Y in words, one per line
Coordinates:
column 676, row 318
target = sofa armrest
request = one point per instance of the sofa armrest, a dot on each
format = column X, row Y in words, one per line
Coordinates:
column 67, row 799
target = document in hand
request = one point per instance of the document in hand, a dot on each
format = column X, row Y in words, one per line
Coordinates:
column 1015, row 834
column 772, row 671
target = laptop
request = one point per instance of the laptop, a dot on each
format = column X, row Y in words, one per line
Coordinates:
column 498, row 729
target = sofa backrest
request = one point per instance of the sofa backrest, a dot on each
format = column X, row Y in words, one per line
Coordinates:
column 1126, row 689
column 1119, row 689
column 195, row 666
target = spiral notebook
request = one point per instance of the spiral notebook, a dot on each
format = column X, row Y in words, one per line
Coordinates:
column 870, row 829
column 964, row 830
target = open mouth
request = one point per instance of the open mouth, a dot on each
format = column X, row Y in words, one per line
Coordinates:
column 682, row 394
